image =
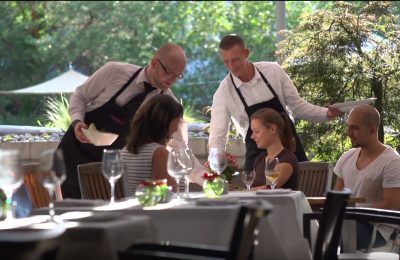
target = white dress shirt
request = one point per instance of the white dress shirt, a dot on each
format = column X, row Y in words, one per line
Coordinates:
column 227, row 104
column 102, row 85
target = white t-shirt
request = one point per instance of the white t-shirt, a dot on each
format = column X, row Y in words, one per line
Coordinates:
column 368, row 183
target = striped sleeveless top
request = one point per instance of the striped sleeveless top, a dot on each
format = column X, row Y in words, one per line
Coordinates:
column 138, row 166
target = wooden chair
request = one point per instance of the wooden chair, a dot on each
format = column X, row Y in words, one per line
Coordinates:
column 240, row 247
column 94, row 186
column 37, row 193
column 330, row 225
column 315, row 178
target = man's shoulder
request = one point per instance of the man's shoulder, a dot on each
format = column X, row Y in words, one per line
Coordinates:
column 267, row 65
column 390, row 154
column 121, row 65
column 351, row 152
column 223, row 86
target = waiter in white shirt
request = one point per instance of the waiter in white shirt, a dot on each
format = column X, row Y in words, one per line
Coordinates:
column 109, row 99
column 249, row 87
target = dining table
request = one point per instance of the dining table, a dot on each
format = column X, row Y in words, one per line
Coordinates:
column 208, row 221
column 97, row 234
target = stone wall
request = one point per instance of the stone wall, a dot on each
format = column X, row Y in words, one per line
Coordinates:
column 30, row 151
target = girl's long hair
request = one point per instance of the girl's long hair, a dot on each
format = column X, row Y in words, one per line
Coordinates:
column 268, row 117
column 151, row 122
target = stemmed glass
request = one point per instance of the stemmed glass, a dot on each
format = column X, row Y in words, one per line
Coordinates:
column 177, row 165
column 112, row 168
column 248, row 178
column 10, row 178
column 51, row 175
column 272, row 171
column 189, row 168
column 217, row 160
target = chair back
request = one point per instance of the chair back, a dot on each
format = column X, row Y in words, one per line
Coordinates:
column 244, row 234
column 315, row 178
column 94, row 186
column 38, row 194
column 330, row 225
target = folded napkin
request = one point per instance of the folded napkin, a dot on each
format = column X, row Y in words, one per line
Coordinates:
column 79, row 203
column 216, row 201
column 273, row 191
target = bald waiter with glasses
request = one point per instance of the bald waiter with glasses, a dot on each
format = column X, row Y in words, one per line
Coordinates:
column 109, row 99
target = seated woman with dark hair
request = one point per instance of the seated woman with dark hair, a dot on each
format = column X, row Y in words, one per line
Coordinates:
column 145, row 155
column 271, row 131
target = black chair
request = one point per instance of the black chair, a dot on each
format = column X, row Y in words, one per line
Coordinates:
column 371, row 215
column 241, row 245
column 330, row 224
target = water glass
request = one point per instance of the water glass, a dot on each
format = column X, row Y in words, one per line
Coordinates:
column 112, row 168
column 178, row 166
column 217, row 159
column 189, row 168
column 272, row 171
column 51, row 175
column 10, row 178
column 248, row 178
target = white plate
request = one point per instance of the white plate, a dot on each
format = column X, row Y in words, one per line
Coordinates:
column 346, row 107
column 273, row 191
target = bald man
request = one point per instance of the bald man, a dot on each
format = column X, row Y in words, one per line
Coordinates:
column 370, row 169
column 109, row 99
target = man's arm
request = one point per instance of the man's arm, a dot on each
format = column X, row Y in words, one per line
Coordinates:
column 219, row 123
column 339, row 185
column 299, row 107
column 89, row 90
column 391, row 199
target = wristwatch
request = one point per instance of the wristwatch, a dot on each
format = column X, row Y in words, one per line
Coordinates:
column 75, row 122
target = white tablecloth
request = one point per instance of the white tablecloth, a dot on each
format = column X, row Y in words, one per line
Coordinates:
column 280, row 234
column 101, row 235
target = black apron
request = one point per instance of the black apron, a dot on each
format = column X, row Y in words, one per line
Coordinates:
column 109, row 117
column 251, row 148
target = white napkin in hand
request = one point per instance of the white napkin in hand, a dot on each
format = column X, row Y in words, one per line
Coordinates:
column 99, row 138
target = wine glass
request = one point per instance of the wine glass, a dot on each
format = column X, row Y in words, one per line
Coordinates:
column 177, row 165
column 189, row 168
column 272, row 171
column 217, row 160
column 10, row 178
column 112, row 168
column 248, row 178
column 52, row 173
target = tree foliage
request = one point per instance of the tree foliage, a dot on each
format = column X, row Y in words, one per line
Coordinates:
column 347, row 53
column 332, row 54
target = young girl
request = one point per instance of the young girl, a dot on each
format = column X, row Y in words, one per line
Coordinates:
column 271, row 131
column 145, row 155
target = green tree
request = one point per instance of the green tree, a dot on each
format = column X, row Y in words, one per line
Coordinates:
column 38, row 39
column 348, row 53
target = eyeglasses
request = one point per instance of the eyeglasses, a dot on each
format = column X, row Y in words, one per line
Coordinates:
column 170, row 74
